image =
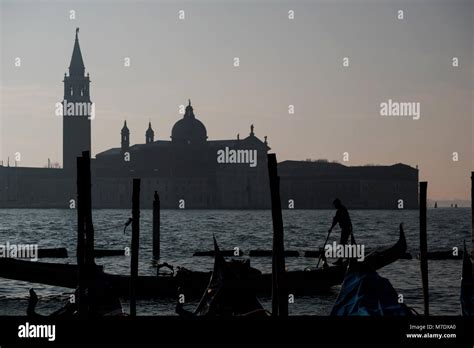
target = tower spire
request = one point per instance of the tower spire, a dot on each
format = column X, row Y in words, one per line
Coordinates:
column 76, row 68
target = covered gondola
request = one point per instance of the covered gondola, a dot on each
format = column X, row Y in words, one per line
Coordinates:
column 365, row 293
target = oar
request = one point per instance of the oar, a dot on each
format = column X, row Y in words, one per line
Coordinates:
column 325, row 242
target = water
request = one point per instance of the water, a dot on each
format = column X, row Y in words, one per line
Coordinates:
column 185, row 231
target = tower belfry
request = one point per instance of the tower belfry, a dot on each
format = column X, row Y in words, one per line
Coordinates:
column 125, row 134
column 77, row 108
column 149, row 134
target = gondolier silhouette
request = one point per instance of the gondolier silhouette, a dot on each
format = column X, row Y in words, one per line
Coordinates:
column 344, row 220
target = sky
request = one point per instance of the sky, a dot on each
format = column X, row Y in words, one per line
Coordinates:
column 282, row 62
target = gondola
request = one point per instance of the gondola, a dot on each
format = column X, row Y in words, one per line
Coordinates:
column 467, row 285
column 224, row 296
column 313, row 281
column 365, row 293
column 193, row 283
column 100, row 302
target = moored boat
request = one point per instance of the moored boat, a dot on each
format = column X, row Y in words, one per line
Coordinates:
column 365, row 293
column 194, row 283
column 224, row 296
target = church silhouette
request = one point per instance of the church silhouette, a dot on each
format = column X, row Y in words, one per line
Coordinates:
column 186, row 172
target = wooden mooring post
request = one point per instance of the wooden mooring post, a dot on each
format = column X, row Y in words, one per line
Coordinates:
column 279, row 288
column 81, row 239
column 89, row 254
column 156, row 226
column 135, row 245
column 424, row 247
column 85, row 238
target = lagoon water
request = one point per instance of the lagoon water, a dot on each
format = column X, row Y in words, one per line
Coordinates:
column 185, row 231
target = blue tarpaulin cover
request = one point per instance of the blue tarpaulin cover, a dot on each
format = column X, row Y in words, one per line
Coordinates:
column 365, row 293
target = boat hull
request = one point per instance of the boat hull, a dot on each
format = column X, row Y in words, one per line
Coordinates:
column 194, row 283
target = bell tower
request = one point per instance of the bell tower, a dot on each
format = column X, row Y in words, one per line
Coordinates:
column 77, row 110
column 125, row 135
column 149, row 134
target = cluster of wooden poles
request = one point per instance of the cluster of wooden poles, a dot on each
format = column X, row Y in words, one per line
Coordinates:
column 85, row 240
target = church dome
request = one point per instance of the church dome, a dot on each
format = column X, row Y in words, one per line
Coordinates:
column 189, row 130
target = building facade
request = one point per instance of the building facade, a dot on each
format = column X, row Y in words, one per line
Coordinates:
column 314, row 185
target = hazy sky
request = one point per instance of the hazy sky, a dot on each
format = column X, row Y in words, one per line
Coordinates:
column 282, row 62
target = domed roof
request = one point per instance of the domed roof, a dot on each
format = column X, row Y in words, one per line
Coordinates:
column 189, row 130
